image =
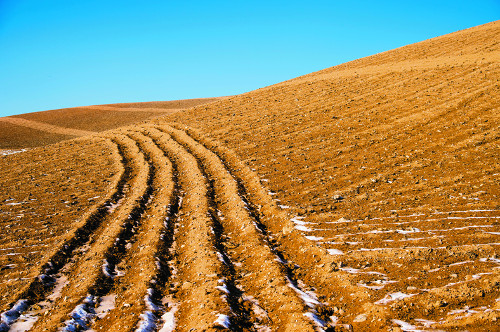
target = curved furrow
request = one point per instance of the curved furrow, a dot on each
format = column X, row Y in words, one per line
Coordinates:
column 41, row 290
column 92, row 274
column 145, row 272
column 267, row 280
column 315, row 267
column 201, row 292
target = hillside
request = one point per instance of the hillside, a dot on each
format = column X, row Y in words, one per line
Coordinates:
column 48, row 127
column 361, row 197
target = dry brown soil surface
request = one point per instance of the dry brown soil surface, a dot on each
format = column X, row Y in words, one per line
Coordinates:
column 41, row 128
column 362, row 197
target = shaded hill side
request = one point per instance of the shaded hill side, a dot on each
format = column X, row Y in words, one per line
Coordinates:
column 17, row 137
column 41, row 128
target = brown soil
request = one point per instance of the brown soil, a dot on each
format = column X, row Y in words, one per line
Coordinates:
column 45, row 127
column 48, row 127
column 363, row 197
column 18, row 137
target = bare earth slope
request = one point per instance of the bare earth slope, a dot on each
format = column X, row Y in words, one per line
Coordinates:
column 404, row 146
column 48, row 127
column 373, row 204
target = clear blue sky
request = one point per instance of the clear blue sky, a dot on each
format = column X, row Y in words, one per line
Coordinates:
column 62, row 53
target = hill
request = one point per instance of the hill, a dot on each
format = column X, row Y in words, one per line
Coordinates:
column 363, row 196
column 48, row 127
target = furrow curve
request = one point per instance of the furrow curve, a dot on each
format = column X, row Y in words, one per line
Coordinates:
column 138, row 301
column 41, row 288
column 314, row 266
column 91, row 274
column 202, row 303
column 265, row 275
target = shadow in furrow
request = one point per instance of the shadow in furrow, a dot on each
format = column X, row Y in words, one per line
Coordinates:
column 240, row 319
column 42, row 286
column 84, row 313
column 319, row 313
column 152, row 319
column 116, row 253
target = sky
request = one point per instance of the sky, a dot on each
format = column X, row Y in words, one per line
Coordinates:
column 60, row 53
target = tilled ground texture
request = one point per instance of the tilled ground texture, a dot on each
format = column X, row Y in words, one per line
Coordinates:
column 363, row 197
column 184, row 237
column 391, row 163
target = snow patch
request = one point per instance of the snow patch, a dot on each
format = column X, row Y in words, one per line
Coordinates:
column 314, row 238
column 460, row 263
column 393, row 297
column 358, row 271
column 24, row 323
column 303, row 228
column 408, row 231
column 148, row 299
column 9, row 152
column 335, row 251
column 106, row 304
column 223, row 288
column 169, row 319
column 379, row 284
column 60, row 283
column 490, row 259
column 406, row 326
column 425, row 322
column 147, row 323
column 9, row 316
column 309, row 298
column 298, row 220
column 81, row 316
column 317, row 321
column 148, row 318
column 467, row 310
column 223, row 320
column 106, row 269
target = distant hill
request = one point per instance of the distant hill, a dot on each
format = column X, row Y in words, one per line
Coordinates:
column 41, row 128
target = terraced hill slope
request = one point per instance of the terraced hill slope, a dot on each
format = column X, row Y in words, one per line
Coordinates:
column 363, row 197
column 41, row 128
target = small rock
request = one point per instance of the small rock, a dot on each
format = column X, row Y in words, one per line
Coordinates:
column 440, row 303
column 359, row 318
column 337, row 197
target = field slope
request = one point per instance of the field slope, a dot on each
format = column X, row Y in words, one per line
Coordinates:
column 41, row 128
column 362, row 197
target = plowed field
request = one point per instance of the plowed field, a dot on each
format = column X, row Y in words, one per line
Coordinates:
column 363, row 197
column 48, row 127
